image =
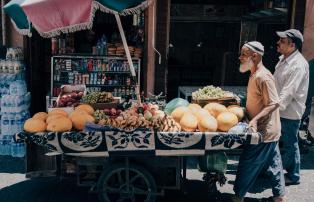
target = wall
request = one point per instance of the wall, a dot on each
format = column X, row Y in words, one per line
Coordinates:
column 13, row 38
column 162, row 43
column 308, row 45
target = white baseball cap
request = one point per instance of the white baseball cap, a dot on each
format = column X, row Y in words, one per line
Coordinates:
column 291, row 33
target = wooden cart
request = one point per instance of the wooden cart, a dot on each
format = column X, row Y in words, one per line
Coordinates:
column 137, row 165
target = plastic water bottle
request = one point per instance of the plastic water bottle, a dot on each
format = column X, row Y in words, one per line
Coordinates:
column 12, row 125
column 5, row 125
column 1, row 147
column 104, row 44
column 21, row 150
column 18, row 122
column 13, row 149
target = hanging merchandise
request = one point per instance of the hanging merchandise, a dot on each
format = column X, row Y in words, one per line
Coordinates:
column 15, row 102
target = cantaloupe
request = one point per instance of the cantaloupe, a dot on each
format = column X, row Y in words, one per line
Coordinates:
column 41, row 116
column 215, row 108
column 201, row 113
column 237, row 110
column 34, row 125
column 77, row 112
column 54, row 116
column 188, row 122
column 61, row 124
column 226, row 120
column 179, row 112
column 58, row 111
column 207, row 124
column 89, row 109
column 80, row 121
column 194, row 108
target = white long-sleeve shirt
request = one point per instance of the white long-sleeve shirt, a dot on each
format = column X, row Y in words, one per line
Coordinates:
column 292, row 82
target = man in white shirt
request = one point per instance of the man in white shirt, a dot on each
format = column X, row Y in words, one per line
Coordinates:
column 292, row 82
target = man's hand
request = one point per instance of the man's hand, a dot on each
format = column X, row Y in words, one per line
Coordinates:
column 253, row 124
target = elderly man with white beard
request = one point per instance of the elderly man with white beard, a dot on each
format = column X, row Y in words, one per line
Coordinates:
column 263, row 112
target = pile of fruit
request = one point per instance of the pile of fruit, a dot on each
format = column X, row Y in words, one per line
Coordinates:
column 213, row 117
column 145, row 116
column 98, row 97
column 58, row 120
column 210, row 92
column 70, row 99
column 106, row 113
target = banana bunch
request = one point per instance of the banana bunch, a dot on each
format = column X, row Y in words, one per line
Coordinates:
column 165, row 124
column 129, row 123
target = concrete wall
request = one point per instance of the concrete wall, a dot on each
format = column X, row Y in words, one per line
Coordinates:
column 308, row 45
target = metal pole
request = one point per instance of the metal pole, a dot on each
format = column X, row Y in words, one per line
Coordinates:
column 128, row 55
column 125, row 45
column 4, row 29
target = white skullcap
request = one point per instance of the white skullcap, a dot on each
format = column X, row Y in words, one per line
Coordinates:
column 255, row 46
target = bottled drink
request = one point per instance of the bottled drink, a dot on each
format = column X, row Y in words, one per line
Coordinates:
column 12, row 125
column 18, row 122
column 13, row 149
column 5, row 124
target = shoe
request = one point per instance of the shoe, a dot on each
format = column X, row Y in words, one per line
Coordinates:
column 310, row 138
column 289, row 182
column 279, row 199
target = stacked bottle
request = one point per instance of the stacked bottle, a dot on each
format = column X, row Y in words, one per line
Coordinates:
column 14, row 103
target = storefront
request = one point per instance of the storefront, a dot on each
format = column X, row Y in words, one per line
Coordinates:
column 204, row 38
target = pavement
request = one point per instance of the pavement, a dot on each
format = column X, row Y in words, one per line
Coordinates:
column 14, row 187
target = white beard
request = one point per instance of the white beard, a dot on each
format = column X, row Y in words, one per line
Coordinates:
column 246, row 66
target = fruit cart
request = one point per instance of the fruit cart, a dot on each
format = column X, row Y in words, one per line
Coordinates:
column 137, row 165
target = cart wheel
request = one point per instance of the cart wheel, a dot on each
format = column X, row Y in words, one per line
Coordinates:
column 117, row 183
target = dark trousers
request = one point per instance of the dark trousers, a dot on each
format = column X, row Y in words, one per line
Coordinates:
column 256, row 159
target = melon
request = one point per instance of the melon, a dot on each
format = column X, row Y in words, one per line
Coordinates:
column 62, row 124
column 226, row 120
column 34, row 125
column 201, row 113
column 236, row 110
column 89, row 109
column 208, row 124
column 188, row 122
column 80, row 121
column 215, row 108
column 41, row 116
column 77, row 112
column 194, row 108
column 179, row 112
column 54, row 116
column 175, row 103
column 58, row 111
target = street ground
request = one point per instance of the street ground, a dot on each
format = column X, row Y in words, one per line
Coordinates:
column 14, row 187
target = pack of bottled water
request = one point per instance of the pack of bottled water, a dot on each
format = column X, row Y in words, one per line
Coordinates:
column 14, row 105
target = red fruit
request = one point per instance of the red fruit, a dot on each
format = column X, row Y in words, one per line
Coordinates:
column 145, row 107
column 113, row 111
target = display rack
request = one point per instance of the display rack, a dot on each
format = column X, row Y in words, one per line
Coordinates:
column 98, row 73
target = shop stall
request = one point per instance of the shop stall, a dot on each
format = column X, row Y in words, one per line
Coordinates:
column 124, row 148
